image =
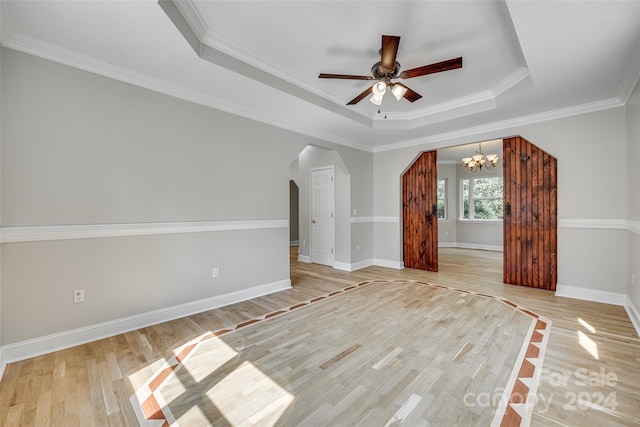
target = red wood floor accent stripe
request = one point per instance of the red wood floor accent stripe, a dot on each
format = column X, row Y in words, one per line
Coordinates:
column 518, row 394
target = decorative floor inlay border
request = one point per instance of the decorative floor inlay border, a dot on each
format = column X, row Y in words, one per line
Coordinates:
column 514, row 409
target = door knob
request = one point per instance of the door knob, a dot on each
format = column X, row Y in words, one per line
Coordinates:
column 313, row 221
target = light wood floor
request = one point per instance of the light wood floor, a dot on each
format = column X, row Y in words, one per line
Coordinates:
column 591, row 373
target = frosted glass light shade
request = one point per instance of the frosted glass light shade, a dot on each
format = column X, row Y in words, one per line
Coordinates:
column 379, row 89
column 398, row 91
column 376, row 99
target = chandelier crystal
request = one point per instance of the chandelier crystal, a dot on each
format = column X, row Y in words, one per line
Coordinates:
column 478, row 161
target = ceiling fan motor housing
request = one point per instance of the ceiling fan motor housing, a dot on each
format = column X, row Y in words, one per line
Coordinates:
column 379, row 73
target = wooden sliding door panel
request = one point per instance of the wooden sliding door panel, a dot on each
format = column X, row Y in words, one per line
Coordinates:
column 530, row 215
column 419, row 213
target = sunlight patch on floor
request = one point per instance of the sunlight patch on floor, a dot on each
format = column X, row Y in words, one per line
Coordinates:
column 587, row 325
column 588, row 344
column 247, row 390
column 213, row 354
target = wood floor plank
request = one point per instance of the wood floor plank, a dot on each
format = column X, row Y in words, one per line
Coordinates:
column 68, row 385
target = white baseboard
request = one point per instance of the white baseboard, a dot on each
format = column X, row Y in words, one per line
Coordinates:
column 470, row 246
column 362, row 264
column 345, row 266
column 633, row 313
column 354, row 266
column 47, row 344
column 398, row 265
column 304, row 258
column 590, row 295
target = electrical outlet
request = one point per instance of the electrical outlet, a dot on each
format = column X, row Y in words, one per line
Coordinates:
column 216, row 272
column 357, row 248
column 304, row 243
column 78, row 296
column 355, row 212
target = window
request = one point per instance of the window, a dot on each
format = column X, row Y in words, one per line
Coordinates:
column 482, row 198
column 442, row 199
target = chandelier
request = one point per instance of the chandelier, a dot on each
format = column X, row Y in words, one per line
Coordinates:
column 477, row 161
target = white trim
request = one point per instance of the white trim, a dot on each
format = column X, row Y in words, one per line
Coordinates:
column 54, row 53
column 615, row 224
column 365, row 219
column 633, row 226
column 631, row 77
column 506, row 124
column 398, row 265
column 344, row 266
column 386, row 219
column 463, row 245
column 362, row 264
column 361, row 219
column 304, row 258
column 590, row 294
column 54, row 342
column 65, row 232
column 633, row 313
column 73, row 59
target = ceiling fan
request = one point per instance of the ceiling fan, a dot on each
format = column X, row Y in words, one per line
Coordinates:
column 387, row 69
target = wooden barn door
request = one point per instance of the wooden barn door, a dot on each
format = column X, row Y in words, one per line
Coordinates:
column 530, row 215
column 419, row 213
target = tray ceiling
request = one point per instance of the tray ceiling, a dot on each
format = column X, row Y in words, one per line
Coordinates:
column 522, row 61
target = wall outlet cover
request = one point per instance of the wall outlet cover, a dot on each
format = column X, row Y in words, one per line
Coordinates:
column 78, row 296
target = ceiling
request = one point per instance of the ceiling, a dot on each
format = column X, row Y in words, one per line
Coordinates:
column 523, row 61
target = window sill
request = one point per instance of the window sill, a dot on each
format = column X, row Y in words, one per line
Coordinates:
column 481, row 221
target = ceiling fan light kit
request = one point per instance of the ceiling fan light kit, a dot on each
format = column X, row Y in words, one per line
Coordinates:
column 398, row 91
column 388, row 68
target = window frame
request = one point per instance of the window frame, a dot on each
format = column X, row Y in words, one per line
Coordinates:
column 444, row 199
column 472, row 199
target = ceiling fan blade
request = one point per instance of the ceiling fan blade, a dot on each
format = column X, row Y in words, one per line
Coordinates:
column 450, row 64
column 360, row 97
column 388, row 53
column 410, row 95
column 344, row 76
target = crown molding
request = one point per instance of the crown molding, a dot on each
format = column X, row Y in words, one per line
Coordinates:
column 506, row 124
column 70, row 58
column 480, row 101
column 191, row 14
column 212, row 45
column 631, row 78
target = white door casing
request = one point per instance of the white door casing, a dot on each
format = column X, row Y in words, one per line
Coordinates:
column 322, row 216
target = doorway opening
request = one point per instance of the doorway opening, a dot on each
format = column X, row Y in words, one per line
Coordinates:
column 520, row 220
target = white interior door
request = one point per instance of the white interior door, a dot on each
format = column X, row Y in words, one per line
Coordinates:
column 322, row 216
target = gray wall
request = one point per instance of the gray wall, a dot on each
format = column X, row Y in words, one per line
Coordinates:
column 316, row 157
column 447, row 227
column 597, row 139
column 633, row 195
column 78, row 149
column 1, row 132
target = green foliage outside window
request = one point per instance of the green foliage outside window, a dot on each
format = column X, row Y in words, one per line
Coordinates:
column 482, row 198
column 442, row 199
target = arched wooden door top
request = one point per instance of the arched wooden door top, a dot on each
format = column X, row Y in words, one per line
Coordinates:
column 419, row 213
